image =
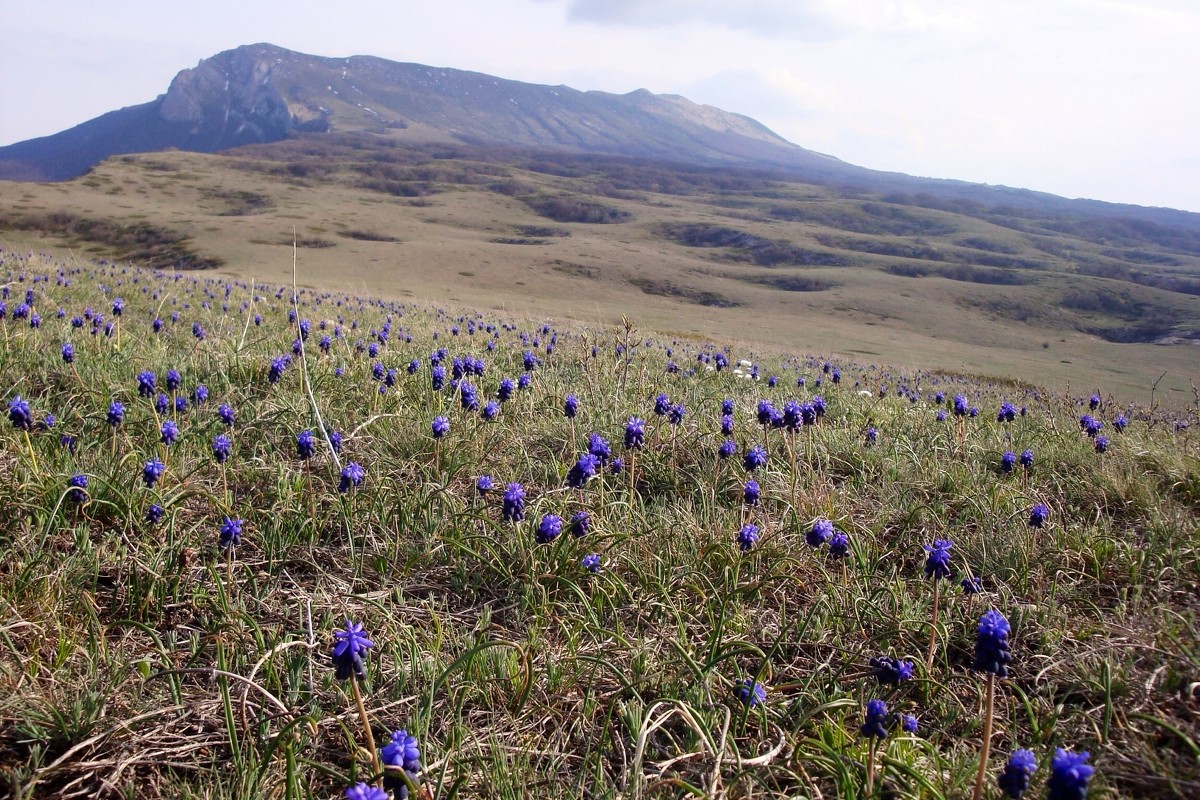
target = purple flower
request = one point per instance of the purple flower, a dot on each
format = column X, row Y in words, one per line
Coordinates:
column 231, row 533
column 350, row 652
column 839, row 545
column 513, row 509
column 662, row 405
column 221, row 447
column 170, row 432
column 727, row 425
column 1038, row 515
column 78, row 484
column 751, row 493
column 937, row 562
column 152, row 471
column 306, row 445
column 635, row 433
column 491, row 410
column 1027, row 459
column 600, row 448
column 1069, row 777
column 352, row 475
column 727, row 449
column 1008, row 461
column 1014, row 780
column 20, row 414
column 908, row 723
column 591, row 562
column 991, row 644
column 755, row 457
column 174, row 379
column 401, row 753
column 1101, row 444
column 155, row 513
column 585, row 469
column 971, row 585
column 876, row 721
column 571, row 406
column 118, row 306
column 820, row 532
column 581, row 522
column 441, row 426
column 116, row 413
column 890, row 671
column 1120, row 423
column 68, row 353
column 750, row 692
column 226, row 414
column 747, row 537
column 549, row 528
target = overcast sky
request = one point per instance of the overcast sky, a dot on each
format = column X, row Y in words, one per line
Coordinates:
column 1083, row 98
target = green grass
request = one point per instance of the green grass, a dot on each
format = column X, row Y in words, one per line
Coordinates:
column 143, row 661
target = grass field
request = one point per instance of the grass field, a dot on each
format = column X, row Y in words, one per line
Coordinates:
column 167, row 620
column 738, row 258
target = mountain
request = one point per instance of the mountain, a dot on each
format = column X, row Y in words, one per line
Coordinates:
column 263, row 93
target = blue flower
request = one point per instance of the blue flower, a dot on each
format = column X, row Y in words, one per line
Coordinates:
column 1069, row 777
column 599, row 447
column 226, row 414
column 635, row 433
column 170, row 432
column 839, row 545
column 1038, row 515
column 152, row 471
column 727, row 425
column 441, row 426
column 506, row 390
column 1101, row 444
column 20, row 414
column 571, row 406
column 146, row 382
column 750, row 692
column 581, row 522
column 971, row 585
column 306, row 445
column 1120, row 423
column 991, row 644
column 662, row 404
column 231, row 533
column 1027, row 458
column 116, row 413
column 876, row 721
column 726, row 407
column 514, row 503
column 484, row 484
column 960, row 405
column 820, row 532
column 1008, row 461
column 751, row 493
column 1007, row 413
column 585, row 469
column 174, row 379
column 727, row 449
column 118, row 306
column 890, row 671
column 350, row 652
column 747, row 537
column 755, row 457
column 1014, row 780
column 221, row 447
column 78, row 484
column 401, row 753
column 68, row 353
column 549, row 528
column 872, row 436
column 155, row 513
column 937, row 563
column 908, row 723
column 352, row 475
column 491, row 410
column 591, row 562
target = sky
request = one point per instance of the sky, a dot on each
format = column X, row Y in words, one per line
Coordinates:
column 1082, row 98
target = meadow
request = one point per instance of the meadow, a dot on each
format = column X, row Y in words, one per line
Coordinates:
column 591, row 560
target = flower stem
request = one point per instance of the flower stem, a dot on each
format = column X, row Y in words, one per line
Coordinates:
column 376, row 764
column 987, row 735
column 870, row 765
column 933, row 627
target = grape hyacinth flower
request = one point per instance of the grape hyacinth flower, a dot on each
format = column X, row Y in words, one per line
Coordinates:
column 490, row 411
column 820, row 532
column 1038, row 515
column 581, row 523
column 221, row 447
column 19, row 414
column 1101, row 444
column 937, row 562
column 78, row 484
column 68, row 353
column 591, row 562
column 440, row 426
column 585, row 469
column 364, row 791
column 750, row 692
column 1069, row 775
column 875, row 727
column 306, row 445
column 991, row 657
column 513, row 509
column 908, row 723
column 350, row 652
column 483, row 485
column 1120, row 423
column 225, row 413
column 352, row 475
column 755, row 457
column 161, row 403
column 599, row 447
column 727, row 425
column 152, row 471
column 662, row 405
column 747, row 537
column 402, row 753
column 155, row 513
column 116, row 413
column 890, row 671
column 549, row 528
column 174, row 379
column 146, row 382
column 751, row 493
column 839, row 545
column 231, row 533
column 971, row 585
column 170, row 432
column 635, row 433
column 1014, row 780
column 571, row 406
column 1027, row 459
column 727, row 449
column 1008, row 461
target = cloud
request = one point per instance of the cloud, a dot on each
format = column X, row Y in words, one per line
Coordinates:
column 807, row 18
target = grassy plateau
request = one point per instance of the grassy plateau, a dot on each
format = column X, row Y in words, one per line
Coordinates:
column 205, row 478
